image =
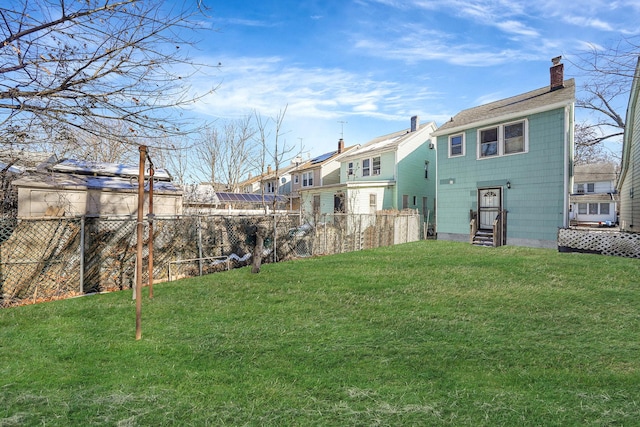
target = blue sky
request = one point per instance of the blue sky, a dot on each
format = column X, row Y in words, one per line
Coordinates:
column 367, row 66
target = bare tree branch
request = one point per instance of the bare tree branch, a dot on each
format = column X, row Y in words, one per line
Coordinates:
column 86, row 65
column 607, row 74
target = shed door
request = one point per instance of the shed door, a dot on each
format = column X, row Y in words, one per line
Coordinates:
column 489, row 204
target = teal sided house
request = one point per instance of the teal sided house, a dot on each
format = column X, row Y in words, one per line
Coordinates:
column 395, row 171
column 629, row 180
column 505, row 168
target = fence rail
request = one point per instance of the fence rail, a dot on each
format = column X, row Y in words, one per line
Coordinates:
column 50, row 258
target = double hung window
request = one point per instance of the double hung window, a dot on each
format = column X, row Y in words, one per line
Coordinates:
column 366, row 167
column 456, row 145
column 506, row 139
column 307, row 179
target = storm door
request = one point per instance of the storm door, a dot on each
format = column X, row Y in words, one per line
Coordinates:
column 489, row 205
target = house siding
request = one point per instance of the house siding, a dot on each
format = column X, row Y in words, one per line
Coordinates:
column 630, row 180
column 411, row 179
column 535, row 202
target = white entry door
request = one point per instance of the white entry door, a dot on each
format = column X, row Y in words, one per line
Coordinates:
column 489, row 205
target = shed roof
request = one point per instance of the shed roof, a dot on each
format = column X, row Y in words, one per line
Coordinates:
column 83, row 167
column 68, row 181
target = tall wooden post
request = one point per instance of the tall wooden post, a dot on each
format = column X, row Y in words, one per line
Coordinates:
column 150, row 216
column 143, row 154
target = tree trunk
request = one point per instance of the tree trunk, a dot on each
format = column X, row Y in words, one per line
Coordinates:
column 261, row 231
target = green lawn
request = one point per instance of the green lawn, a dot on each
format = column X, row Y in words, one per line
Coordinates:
column 427, row 333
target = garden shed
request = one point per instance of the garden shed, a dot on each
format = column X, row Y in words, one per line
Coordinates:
column 73, row 188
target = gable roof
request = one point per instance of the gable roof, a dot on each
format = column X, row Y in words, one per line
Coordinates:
column 388, row 142
column 325, row 158
column 542, row 99
column 593, row 172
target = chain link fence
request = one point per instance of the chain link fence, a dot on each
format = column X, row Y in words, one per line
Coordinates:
column 51, row 258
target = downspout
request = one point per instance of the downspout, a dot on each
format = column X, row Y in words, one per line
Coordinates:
column 437, row 185
column 395, row 174
column 568, row 158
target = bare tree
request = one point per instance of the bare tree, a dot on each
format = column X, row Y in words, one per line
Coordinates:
column 69, row 66
column 588, row 146
column 225, row 152
column 607, row 73
column 274, row 151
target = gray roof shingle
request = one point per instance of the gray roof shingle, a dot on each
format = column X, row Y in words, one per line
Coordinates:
column 519, row 104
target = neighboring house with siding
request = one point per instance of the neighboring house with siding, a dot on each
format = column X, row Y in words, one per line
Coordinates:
column 594, row 197
column 395, row 171
column 313, row 177
column 629, row 182
column 511, row 161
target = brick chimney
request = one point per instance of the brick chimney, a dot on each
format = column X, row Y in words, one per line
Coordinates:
column 557, row 74
column 415, row 123
column 269, row 169
column 340, row 145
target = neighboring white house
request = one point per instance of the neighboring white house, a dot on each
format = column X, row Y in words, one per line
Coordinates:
column 594, row 199
column 73, row 187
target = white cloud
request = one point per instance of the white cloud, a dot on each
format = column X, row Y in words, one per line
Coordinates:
column 582, row 21
column 268, row 85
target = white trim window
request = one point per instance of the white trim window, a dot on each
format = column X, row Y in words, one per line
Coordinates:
column 296, row 179
column 270, row 187
column 307, row 179
column 350, row 168
column 376, row 165
column 366, row 167
column 456, row 145
column 503, row 140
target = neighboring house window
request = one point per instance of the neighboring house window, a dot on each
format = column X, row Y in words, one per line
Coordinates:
column 338, row 203
column 307, row 179
column 510, row 138
column 591, row 187
column 426, row 169
column 593, row 209
column 604, row 208
column 456, row 145
column 373, row 203
column 376, row 165
column 350, row 168
column 582, row 208
column 405, row 201
column 366, row 167
column 316, row 204
column 580, row 189
column 296, row 178
column 269, row 188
